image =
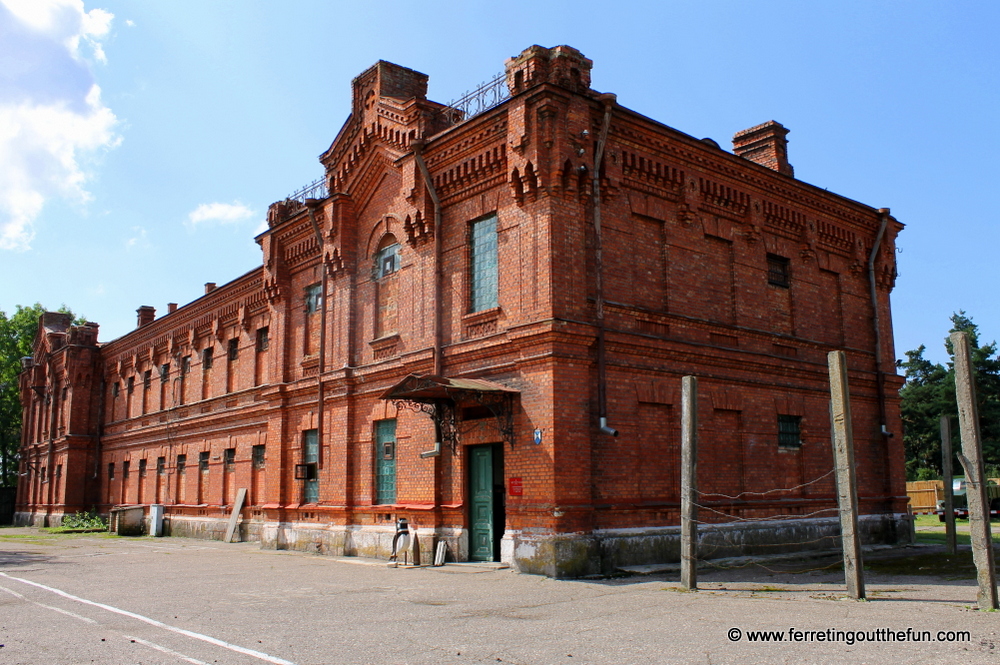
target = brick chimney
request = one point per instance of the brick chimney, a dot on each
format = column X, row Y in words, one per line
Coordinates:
column 146, row 315
column 765, row 144
column 171, row 307
column 209, row 287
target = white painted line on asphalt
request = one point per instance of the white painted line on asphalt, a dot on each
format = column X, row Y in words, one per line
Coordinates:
column 11, row 592
column 48, row 607
column 177, row 654
column 159, row 624
column 66, row 612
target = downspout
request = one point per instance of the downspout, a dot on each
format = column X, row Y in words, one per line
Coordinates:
column 879, row 374
column 418, row 148
column 50, row 456
column 311, row 205
column 608, row 99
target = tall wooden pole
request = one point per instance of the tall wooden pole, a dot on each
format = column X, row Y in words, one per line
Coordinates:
column 971, row 458
column 847, row 491
column 950, row 538
column 689, row 482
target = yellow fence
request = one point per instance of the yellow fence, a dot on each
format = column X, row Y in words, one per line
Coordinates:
column 924, row 494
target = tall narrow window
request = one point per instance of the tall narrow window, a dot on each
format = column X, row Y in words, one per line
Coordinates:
column 147, row 383
column 207, row 358
column 203, row 461
column 260, row 358
column 257, row 455
column 233, row 356
column 229, row 459
column 387, row 286
column 483, row 264
column 385, row 461
column 310, row 444
column 313, row 302
column 314, row 295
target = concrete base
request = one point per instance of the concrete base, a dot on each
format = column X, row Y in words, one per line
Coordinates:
column 605, row 551
column 554, row 555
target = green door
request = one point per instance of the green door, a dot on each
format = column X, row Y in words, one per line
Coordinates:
column 481, row 503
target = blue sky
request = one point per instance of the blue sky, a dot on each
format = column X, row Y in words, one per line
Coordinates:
column 141, row 143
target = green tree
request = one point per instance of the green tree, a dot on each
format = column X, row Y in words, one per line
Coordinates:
column 929, row 393
column 17, row 335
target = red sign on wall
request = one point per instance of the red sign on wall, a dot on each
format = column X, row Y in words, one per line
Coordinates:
column 515, row 487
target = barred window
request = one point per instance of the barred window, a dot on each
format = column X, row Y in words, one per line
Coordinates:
column 229, row 459
column 257, row 456
column 483, row 264
column 789, row 431
column 203, row 461
column 263, row 341
column 778, row 272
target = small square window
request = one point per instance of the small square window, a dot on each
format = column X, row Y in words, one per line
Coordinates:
column 778, row 272
column 789, row 431
column 263, row 340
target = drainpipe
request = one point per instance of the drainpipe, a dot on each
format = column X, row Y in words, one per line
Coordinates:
column 879, row 374
column 608, row 99
column 418, row 150
column 311, row 205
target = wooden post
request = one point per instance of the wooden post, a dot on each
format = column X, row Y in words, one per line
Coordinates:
column 847, row 491
column 971, row 458
column 689, row 482
column 949, row 493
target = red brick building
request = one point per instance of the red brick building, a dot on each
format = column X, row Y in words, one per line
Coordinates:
column 452, row 325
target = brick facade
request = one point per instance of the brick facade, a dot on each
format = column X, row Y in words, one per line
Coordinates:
column 703, row 262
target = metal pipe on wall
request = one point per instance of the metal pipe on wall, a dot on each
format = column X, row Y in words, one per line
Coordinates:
column 311, row 205
column 879, row 374
column 608, row 99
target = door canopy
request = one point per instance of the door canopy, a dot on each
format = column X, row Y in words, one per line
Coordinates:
column 443, row 399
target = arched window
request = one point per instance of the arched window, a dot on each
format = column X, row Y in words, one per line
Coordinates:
column 385, row 267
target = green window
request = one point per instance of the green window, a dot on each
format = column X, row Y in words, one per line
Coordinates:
column 483, row 264
column 311, row 445
column 385, row 462
column 789, row 431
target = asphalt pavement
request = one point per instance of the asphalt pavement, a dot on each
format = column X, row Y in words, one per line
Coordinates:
column 91, row 598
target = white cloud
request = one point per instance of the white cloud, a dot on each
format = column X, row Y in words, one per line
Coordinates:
column 130, row 23
column 49, row 133
column 220, row 213
column 139, row 239
column 66, row 21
